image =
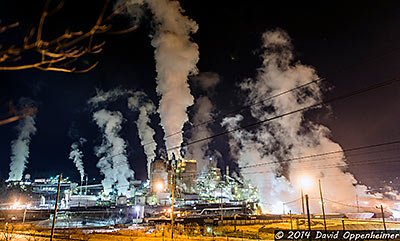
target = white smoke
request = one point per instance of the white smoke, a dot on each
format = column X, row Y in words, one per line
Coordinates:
column 20, row 148
column 141, row 102
column 203, row 109
column 288, row 137
column 113, row 162
column 76, row 155
column 176, row 57
column 108, row 96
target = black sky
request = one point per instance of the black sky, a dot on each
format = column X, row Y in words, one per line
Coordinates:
column 351, row 44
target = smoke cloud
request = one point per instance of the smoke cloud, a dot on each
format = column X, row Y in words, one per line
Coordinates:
column 176, row 57
column 141, row 102
column 113, row 163
column 20, row 146
column 102, row 97
column 288, row 137
column 203, row 109
column 76, row 155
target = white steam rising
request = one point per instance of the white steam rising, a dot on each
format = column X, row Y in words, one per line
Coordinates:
column 288, row 137
column 141, row 102
column 176, row 57
column 113, row 163
column 76, row 155
column 137, row 101
column 20, row 148
column 102, row 97
column 203, row 109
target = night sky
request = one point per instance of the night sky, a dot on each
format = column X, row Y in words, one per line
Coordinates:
column 351, row 44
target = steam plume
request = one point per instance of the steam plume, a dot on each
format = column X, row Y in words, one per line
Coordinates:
column 141, row 102
column 288, row 137
column 176, row 57
column 203, row 109
column 20, row 146
column 113, row 162
column 108, row 96
column 76, row 155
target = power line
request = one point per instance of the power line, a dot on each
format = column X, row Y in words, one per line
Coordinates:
column 324, row 154
column 362, row 163
column 345, row 96
column 248, row 106
column 239, row 110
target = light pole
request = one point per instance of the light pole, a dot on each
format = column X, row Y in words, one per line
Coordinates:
column 383, row 219
column 322, row 203
column 222, row 207
column 308, row 213
column 302, row 200
column 172, row 199
column 55, row 208
column 305, row 183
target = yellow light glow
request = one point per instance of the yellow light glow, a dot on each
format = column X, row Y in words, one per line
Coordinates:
column 306, row 182
column 159, row 186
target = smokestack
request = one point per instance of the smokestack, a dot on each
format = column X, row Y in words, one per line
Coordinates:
column 20, row 146
column 113, row 163
column 141, row 102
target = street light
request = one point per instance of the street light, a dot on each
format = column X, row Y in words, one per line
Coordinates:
column 305, row 183
column 159, row 186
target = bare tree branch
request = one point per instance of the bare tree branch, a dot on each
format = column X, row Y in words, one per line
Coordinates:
column 59, row 53
column 15, row 115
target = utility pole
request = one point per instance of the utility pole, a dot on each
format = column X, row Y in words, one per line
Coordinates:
column 23, row 219
column 222, row 207
column 172, row 198
column 383, row 219
column 291, row 222
column 302, row 201
column 308, row 213
column 322, row 204
column 55, row 208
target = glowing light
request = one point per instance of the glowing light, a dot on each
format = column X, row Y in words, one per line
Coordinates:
column 15, row 205
column 159, row 186
column 306, row 182
column 137, row 208
column 169, row 210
